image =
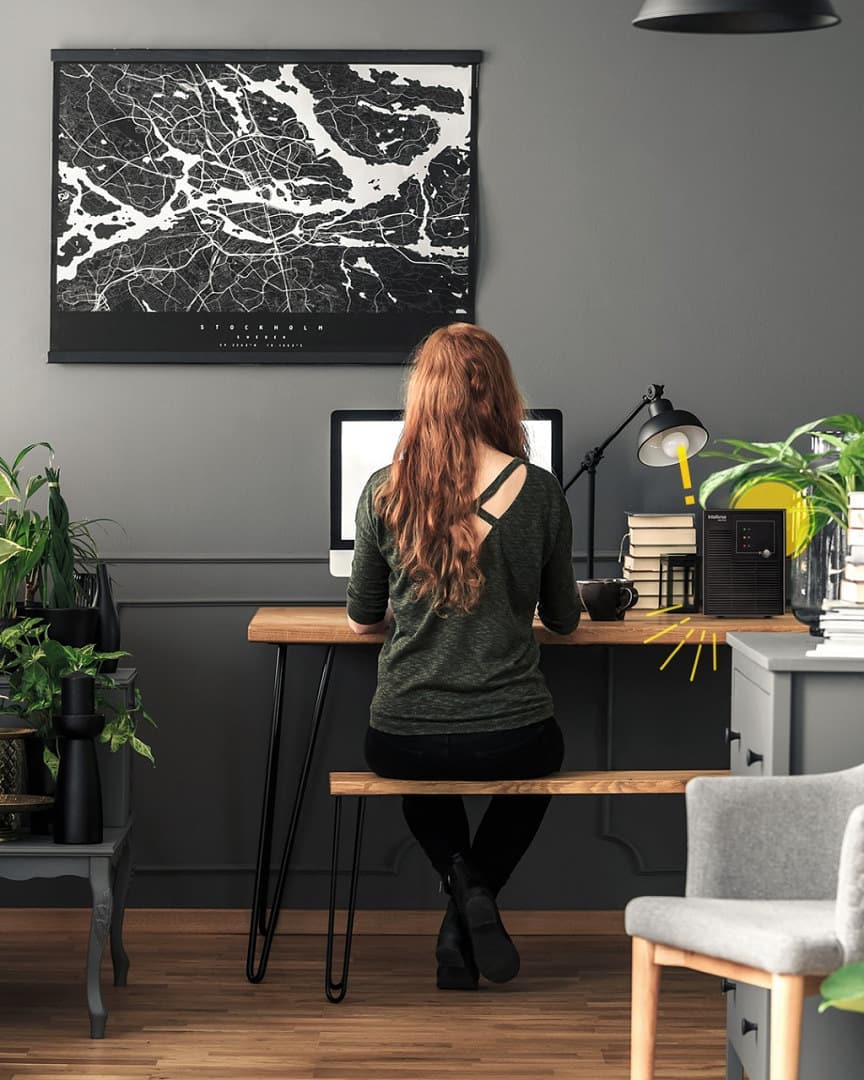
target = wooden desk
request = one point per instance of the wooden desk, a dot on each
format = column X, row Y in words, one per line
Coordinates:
column 327, row 625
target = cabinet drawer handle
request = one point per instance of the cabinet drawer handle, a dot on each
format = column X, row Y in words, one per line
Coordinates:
column 732, row 736
column 747, row 1026
column 753, row 757
column 726, row 985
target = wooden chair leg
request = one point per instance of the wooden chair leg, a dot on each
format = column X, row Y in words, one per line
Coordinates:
column 787, row 1003
column 645, row 987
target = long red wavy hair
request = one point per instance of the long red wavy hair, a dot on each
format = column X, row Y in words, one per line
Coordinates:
column 461, row 393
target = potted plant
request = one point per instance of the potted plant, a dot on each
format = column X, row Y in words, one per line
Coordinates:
column 34, row 664
column 47, row 560
column 23, row 535
column 71, row 617
column 823, row 476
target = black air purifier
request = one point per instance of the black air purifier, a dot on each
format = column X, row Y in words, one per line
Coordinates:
column 744, row 562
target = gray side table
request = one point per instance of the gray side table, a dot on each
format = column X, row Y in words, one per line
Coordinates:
column 792, row 714
column 107, row 866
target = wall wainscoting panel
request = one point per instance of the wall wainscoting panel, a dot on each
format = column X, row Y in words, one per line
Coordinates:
column 197, row 811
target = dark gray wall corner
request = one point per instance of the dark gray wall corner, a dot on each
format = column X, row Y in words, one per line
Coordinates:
column 654, row 208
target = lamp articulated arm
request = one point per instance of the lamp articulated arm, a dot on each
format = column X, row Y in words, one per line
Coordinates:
column 593, row 458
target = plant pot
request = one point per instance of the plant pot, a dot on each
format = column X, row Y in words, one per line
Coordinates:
column 70, row 626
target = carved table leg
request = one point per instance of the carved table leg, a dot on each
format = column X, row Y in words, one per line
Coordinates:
column 122, row 873
column 100, row 923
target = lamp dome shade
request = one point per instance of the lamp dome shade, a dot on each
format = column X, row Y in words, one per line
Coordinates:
column 736, row 16
column 672, row 427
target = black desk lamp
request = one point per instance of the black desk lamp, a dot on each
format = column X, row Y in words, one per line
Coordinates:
column 659, row 438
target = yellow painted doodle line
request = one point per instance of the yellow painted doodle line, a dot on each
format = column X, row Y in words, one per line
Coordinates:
column 696, row 660
column 665, row 630
column 664, row 610
column 679, row 646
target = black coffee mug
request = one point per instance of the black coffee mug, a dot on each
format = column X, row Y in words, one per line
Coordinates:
column 606, row 599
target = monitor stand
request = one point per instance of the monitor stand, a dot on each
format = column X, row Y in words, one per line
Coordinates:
column 340, row 562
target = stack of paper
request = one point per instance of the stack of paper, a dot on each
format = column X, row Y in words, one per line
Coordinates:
column 653, row 535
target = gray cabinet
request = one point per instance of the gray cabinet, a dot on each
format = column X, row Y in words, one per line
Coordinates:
column 792, row 714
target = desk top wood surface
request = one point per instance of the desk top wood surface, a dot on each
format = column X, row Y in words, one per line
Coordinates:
column 327, row 625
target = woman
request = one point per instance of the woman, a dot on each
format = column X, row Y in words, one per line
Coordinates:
column 456, row 542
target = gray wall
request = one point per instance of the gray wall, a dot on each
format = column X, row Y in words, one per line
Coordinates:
column 654, row 208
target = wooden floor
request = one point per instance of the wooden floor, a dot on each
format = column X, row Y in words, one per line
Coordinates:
column 189, row 1012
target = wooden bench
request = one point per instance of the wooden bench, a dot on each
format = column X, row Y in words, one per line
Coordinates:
column 362, row 785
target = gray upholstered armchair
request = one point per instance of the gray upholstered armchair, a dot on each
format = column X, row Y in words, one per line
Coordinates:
column 774, row 898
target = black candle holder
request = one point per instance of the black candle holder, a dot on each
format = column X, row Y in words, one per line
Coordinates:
column 78, row 798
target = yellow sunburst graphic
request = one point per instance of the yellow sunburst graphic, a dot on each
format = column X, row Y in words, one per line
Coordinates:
column 700, row 644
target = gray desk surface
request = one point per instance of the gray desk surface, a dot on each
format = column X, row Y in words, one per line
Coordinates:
column 787, row 652
column 44, row 846
column 124, row 679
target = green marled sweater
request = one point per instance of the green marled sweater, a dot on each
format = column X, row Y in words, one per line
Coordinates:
column 477, row 671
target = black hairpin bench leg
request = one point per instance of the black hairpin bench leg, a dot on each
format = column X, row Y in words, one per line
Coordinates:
column 336, row 990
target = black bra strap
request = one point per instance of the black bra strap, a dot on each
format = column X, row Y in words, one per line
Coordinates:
column 490, row 519
column 508, row 469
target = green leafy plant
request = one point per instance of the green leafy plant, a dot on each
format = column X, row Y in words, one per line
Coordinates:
column 23, row 533
column 823, row 480
column 844, row 989
column 34, row 664
column 43, row 556
column 59, row 555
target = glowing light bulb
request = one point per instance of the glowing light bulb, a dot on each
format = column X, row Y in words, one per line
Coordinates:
column 672, row 441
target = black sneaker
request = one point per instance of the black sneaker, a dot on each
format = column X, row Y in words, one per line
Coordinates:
column 456, row 967
column 494, row 953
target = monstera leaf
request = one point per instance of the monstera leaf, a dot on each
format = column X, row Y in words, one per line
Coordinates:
column 844, row 989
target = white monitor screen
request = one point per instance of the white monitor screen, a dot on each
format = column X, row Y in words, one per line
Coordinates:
column 367, row 444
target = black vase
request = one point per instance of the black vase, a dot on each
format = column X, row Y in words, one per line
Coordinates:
column 109, row 617
column 78, row 798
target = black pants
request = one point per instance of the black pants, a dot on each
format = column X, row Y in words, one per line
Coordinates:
column 439, row 822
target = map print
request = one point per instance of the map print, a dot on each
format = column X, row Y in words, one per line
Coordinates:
column 305, row 188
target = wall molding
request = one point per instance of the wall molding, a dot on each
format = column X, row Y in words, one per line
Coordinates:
column 300, row 560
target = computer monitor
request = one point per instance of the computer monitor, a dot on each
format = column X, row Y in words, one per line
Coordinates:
column 363, row 440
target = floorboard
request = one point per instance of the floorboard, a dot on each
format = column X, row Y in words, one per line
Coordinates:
column 189, row 1012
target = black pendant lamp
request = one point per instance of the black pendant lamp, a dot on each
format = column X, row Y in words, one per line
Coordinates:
column 736, row 16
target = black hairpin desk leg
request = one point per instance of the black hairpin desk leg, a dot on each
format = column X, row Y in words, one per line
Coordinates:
column 260, row 923
column 336, row 990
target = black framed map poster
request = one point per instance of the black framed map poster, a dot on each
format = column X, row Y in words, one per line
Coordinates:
column 260, row 207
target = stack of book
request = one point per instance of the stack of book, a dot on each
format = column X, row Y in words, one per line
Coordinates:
column 852, row 586
column 841, row 624
column 651, row 536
